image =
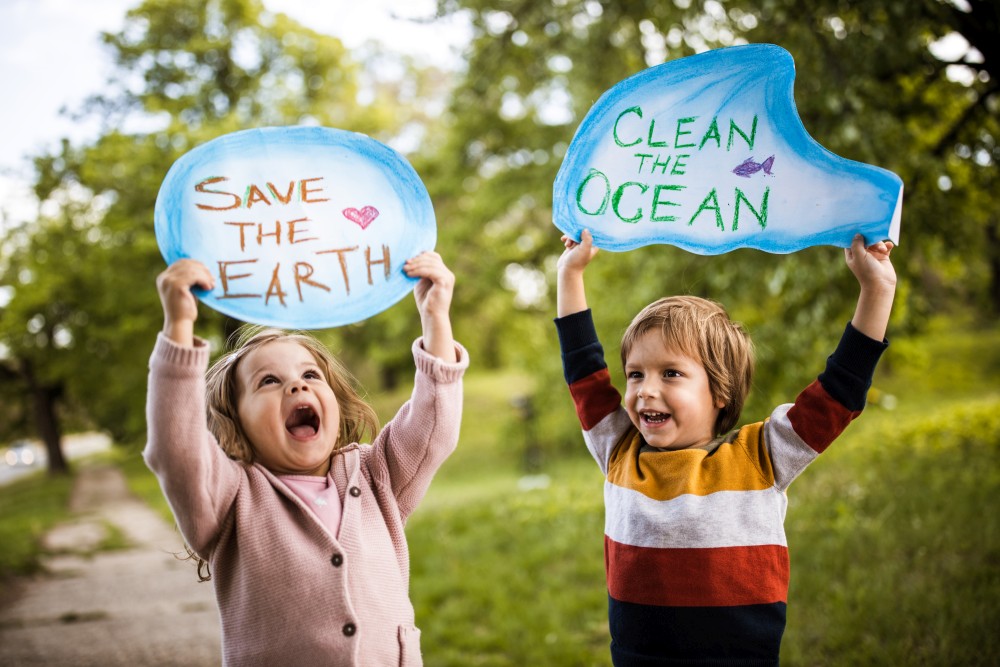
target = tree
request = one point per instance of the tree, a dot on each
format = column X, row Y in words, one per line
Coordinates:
column 83, row 310
column 869, row 87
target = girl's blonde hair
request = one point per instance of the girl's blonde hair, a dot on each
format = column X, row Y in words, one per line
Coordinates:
column 357, row 418
column 701, row 329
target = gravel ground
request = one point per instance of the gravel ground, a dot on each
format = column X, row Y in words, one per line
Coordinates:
column 135, row 606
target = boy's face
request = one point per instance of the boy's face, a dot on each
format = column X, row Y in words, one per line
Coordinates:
column 667, row 395
column 287, row 409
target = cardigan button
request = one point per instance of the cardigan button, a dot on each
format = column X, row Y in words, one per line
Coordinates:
column 355, row 491
column 350, row 629
column 337, row 560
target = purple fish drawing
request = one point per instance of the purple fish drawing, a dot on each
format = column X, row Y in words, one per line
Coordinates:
column 748, row 167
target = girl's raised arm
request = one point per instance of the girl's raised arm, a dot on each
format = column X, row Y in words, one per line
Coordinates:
column 433, row 295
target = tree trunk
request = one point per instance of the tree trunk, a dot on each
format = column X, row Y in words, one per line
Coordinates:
column 44, row 399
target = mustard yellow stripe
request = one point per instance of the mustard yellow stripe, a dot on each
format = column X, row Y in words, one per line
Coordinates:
column 740, row 463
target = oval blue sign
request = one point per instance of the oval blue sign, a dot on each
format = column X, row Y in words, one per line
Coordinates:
column 303, row 227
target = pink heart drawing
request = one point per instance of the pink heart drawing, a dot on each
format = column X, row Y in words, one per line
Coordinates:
column 362, row 218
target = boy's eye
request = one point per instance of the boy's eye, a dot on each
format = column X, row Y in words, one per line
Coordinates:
column 634, row 375
column 671, row 373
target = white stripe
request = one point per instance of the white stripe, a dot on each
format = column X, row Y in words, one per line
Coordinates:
column 605, row 435
column 721, row 519
column 789, row 452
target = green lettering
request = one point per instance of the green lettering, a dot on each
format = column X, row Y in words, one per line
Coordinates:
column 734, row 129
column 761, row 215
column 657, row 202
column 594, row 173
column 677, row 136
column 712, row 133
column 638, row 112
column 710, row 203
column 679, row 165
column 649, row 138
column 617, row 198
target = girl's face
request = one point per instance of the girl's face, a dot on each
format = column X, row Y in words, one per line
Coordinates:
column 287, row 409
column 667, row 395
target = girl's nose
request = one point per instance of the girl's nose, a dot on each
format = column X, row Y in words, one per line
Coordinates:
column 296, row 387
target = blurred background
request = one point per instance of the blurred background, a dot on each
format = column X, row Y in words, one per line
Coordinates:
column 894, row 535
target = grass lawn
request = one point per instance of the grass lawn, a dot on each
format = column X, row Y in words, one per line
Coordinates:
column 893, row 533
column 29, row 507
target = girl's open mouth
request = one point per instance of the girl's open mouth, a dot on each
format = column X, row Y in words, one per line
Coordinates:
column 303, row 422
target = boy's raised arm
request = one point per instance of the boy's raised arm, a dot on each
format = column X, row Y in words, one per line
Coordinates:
column 877, row 278
column 570, row 294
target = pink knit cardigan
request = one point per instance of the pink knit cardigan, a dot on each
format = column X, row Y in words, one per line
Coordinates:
column 289, row 592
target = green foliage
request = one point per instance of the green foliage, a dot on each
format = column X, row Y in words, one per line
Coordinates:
column 894, row 560
column 83, row 310
column 899, row 546
column 515, row 578
column 28, row 509
column 867, row 87
column 894, row 551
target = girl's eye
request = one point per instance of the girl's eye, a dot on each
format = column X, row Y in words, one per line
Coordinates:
column 268, row 379
column 670, row 373
column 312, row 375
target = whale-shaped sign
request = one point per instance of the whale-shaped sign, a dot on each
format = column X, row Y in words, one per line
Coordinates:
column 708, row 153
column 303, row 227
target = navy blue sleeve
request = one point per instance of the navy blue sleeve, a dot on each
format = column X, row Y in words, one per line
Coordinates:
column 849, row 370
column 582, row 353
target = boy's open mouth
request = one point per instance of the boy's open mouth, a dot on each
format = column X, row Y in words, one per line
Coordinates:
column 654, row 418
column 303, row 422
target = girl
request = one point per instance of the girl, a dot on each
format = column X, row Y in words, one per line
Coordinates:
column 301, row 525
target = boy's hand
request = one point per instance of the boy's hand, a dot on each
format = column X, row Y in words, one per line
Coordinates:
column 180, row 307
column 873, row 269
column 871, row 266
column 577, row 256
column 433, row 296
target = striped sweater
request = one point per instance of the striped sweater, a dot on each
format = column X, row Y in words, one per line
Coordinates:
column 695, row 550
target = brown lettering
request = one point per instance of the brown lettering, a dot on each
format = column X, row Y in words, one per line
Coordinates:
column 224, row 278
column 200, row 187
column 343, row 263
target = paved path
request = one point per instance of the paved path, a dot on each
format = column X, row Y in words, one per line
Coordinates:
column 135, row 606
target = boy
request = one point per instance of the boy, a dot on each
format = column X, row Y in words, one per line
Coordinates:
column 695, row 550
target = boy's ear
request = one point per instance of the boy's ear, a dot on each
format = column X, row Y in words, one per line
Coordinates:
column 719, row 404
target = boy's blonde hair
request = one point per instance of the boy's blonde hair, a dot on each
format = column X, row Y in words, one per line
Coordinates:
column 357, row 418
column 701, row 329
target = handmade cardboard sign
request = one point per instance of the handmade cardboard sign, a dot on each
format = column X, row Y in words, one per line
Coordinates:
column 708, row 153
column 303, row 227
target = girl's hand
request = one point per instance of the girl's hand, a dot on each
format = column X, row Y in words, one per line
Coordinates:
column 437, row 282
column 180, row 307
column 433, row 296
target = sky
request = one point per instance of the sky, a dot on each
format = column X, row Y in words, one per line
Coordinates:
column 37, row 83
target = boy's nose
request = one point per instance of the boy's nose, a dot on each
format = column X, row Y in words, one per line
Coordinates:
column 646, row 390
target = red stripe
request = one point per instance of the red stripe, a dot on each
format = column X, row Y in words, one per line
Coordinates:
column 595, row 398
column 819, row 418
column 717, row 577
